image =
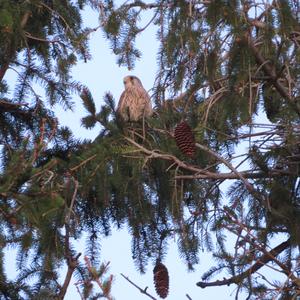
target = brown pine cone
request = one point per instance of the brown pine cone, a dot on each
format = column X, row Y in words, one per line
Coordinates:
column 161, row 280
column 185, row 139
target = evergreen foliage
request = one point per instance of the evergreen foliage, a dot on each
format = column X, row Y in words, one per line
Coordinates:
column 220, row 64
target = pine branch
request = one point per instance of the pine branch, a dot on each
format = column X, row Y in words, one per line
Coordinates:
column 198, row 171
column 204, row 174
column 95, row 277
column 143, row 291
column 245, row 174
column 143, row 5
column 169, row 157
column 263, row 260
column 72, row 264
column 13, row 107
column 11, row 53
column 269, row 70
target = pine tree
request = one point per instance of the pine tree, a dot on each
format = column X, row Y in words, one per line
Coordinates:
column 40, row 41
column 220, row 64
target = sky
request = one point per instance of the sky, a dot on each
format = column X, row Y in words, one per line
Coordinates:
column 101, row 75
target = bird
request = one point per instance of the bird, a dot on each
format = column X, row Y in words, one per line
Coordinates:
column 134, row 104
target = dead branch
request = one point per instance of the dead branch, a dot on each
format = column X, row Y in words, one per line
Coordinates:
column 156, row 154
column 246, row 174
column 70, row 209
column 83, row 162
column 143, row 291
column 285, row 269
column 263, row 260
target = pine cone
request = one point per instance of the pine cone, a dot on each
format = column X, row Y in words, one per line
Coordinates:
column 185, row 139
column 161, row 280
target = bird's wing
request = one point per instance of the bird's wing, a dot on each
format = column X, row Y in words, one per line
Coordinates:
column 142, row 94
column 123, row 106
column 122, row 101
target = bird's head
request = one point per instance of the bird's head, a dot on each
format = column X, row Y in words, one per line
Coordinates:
column 130, row 81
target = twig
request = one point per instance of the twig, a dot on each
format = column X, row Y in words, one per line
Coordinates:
column 143, row 5
column 70, row 209
column 96, row 278
column 78, row 291
column 272, row 255
column 143, row 291
column 25, row 19
column 55, row 13
column 149, row 23
column 204, row 174
column 8, row 105
column 83, row 162
column 239, row 175
column 28, row 35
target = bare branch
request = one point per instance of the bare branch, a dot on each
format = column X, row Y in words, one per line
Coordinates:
column 263, row 260
column 70, row 209
column 156, row 154
column 83, row 162
column 71, row 262
column 269, row 70
column 143, row 291
column 245, row 174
